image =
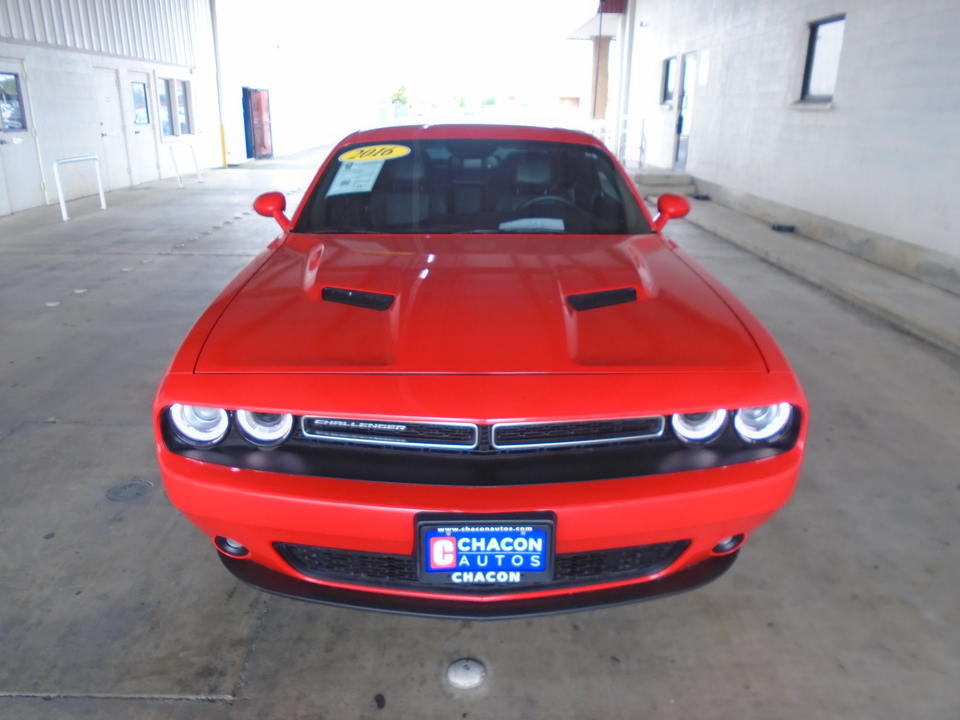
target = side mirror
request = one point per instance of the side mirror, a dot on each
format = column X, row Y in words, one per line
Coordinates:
column 272, row 205
column 670, row 206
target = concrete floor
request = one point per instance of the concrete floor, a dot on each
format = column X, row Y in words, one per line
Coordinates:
column 844, row 606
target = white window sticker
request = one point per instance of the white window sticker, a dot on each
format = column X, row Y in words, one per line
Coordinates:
column 356, row 177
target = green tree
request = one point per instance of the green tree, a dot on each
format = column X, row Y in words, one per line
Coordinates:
column 489, row 101
column 400, row 96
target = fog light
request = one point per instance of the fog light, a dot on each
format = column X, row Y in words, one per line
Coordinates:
column 727, row 546
column 230, row 546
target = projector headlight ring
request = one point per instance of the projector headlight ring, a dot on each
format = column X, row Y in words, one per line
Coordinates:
column 699, row 427
column 199, row 426
column 756, row 424
column 264, row 429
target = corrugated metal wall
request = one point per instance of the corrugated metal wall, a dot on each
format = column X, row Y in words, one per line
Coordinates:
column 166, row 31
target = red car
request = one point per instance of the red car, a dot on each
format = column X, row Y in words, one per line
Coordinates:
column 472, row 378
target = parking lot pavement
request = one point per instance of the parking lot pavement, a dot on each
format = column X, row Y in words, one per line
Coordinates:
column 844, row 605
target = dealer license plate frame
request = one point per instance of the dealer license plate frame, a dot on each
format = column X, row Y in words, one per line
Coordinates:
column 459, row 525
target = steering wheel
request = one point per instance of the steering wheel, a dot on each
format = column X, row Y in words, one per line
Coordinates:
column 551, row 199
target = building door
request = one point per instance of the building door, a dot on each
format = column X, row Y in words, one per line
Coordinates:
column 21, row 183
column 256, row 121
column 688, row 75
column 113, row 156
column 142, row 134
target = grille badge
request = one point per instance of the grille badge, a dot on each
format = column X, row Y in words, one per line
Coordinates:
column 356, row 425
column 444, row 436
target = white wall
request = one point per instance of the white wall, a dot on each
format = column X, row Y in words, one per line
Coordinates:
column 61, row 42
column 174, row 32
column 300, row 54
column 62, row 94
column 884, row 157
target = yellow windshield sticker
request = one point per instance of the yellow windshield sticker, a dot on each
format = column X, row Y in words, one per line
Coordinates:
column 375, row 152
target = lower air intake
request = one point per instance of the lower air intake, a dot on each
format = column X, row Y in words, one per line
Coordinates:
column 400, row 571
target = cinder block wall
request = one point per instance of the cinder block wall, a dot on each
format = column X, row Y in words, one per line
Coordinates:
column 881, row 163
column 58, row 47
column 61, row 88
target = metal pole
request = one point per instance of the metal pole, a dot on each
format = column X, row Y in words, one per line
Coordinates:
column 216, row 62
column 63, row 204
column 56, row 176
column 626, row 71
column 103, row 200
column 193, row 151
column 176, row 168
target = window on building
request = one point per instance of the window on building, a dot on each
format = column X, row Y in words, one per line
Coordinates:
column 11, row 104
column 141, row 113
column 669, row 80
column 174, row 96
column 183, row 109
column 166, row 109
column 823, row 59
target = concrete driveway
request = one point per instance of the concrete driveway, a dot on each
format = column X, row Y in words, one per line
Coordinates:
column 112, row 605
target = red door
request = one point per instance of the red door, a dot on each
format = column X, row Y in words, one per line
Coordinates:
column 259, row 138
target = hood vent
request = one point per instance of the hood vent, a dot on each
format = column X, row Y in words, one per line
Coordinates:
column 603, row 298
column 358, row 298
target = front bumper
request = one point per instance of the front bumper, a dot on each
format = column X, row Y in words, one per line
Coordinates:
column 261, row 509
column 282, row 584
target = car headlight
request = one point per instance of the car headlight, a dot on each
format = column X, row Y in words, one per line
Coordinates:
column 762, row 423
column 200, row 426
column 699, row 427
column 265, row 429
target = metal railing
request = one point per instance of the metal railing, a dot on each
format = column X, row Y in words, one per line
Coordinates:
column 56, row 176
column 176, row 166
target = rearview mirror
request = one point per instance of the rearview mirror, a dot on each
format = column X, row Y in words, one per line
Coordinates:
column 273, row 204
column 670, row 206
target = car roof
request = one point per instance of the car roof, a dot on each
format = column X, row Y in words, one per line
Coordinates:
column 447, row 131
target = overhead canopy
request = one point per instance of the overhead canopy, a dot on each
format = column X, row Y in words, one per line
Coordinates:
column 592, row 27
column 604, row 23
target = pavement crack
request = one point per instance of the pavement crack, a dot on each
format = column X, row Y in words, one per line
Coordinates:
column 251, row 649
column 118, row 696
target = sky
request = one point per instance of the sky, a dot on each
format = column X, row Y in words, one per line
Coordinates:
column 434, row 47
column 343, row 59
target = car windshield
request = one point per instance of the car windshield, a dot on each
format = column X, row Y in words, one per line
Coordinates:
column 472, row 186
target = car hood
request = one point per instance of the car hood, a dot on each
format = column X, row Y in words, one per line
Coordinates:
column 477, row 304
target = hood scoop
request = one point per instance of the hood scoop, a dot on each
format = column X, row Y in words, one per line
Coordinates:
column 602, row 298
column 358, row 298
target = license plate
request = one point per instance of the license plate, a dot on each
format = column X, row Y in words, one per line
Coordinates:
column 488, row 553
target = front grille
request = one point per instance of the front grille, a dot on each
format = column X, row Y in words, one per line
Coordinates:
column 466, row 437
column 421, row 458
column 400, row 571
column 452, row 436
column 508, row 436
